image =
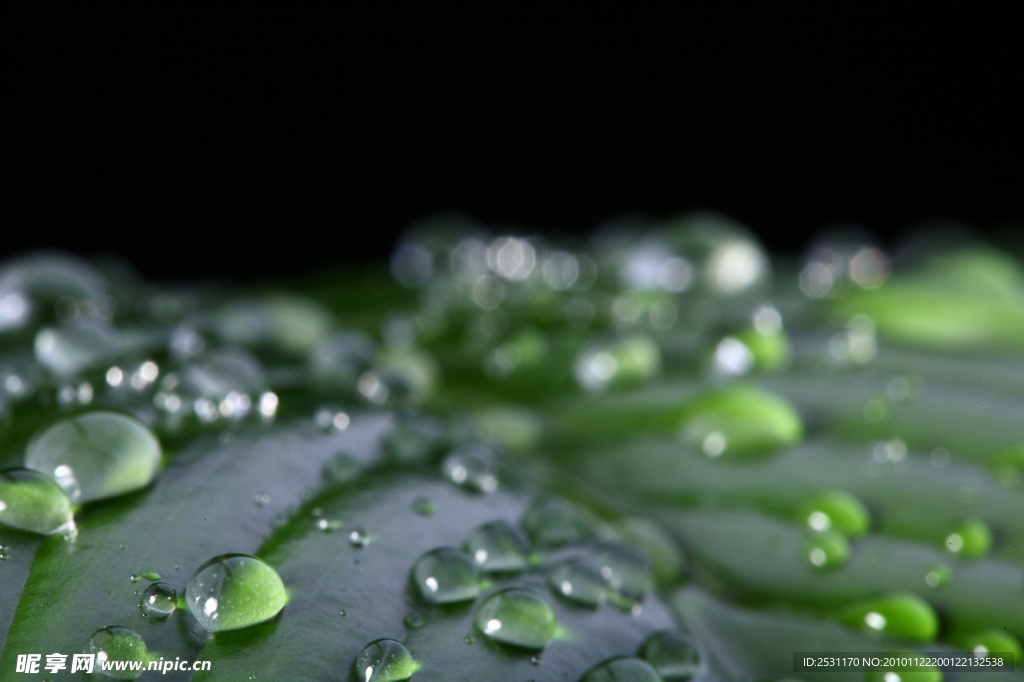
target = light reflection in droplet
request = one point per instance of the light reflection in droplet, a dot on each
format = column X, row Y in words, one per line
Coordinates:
column 511, row 258
column 732, row 357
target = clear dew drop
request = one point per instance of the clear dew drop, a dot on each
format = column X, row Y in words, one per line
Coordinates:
column 234, row 591
column 517, row 616
column 117, row 643
column 627, row 571
column 580, row 581
column 134, row 578
column 622, row 669
column 96, row 455
column 359, row 538
column 497, row 547
column 472, row 467
column 34, row 502
column 424, row 506
column 159, row 600
column 446, row 575
column 554, row 522
column 674, row 655
column 827, row 551
column 384, row 660
column 414, row 620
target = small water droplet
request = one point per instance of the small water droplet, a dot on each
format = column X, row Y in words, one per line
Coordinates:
column 414, row 620
column 150, row 575
column 329, row 525
column 4, row 554
column 622, row 669
column 827, row 550
column 446, row 575
column 554, row 522
column 517, row 616
column 342, row 613
column 96, row 455
column 134, row 578
column 359, row 538
column 627, row 571
column 262, row 499
column 424, row 506
column 33, row 502
column 159, row 600
column 938, row 576
column 472, row 467
column 497, row 547
column 469, row 640
column 117, row 644
column 579, row 581
column 972, row 539
column 234, row 591
column 536, row 660
column 674, row 655
column 836, row 510
column 384, row 660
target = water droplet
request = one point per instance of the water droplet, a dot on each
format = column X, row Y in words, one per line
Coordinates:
column 117, row 644
column 627, row 361
column 96, row 455
column 938, row 575
column 34, row 502
column 749, row 420
column 342, row 613
column 159, row 600
column 622, row 669
column 553, row 522
column 343, row 469
column 424, row 506
column 828, row 550
column 469, row 640
column 134, row 578
column 627, row 571
column 359, row 538
column 674, row 655
column 579, row 581
column 836, row 510
column 234, row 591
column 517, row 616
column 497, row 547
column 414, row 620
column 329, row 525
column 262, row 499
column 472, row 467
column 225, row 373
column 901, row 615
column 4, row 554
column 66, row 351
column 981, row 644
column 446, row 575
column 384, row 660
column 972, row 539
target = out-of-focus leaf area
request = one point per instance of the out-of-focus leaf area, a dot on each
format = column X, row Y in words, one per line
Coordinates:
column 659, row 454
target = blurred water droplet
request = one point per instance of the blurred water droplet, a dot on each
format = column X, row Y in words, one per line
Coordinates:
column 497, row 547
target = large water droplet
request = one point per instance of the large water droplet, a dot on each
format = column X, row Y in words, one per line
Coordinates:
column 472, row 467
column 96, row 455
column 622, row 669
column 553, row 522
column 66, row 351
column 234, row 591
column 674, row 655
column 836, row 510
column 987, row 642
column 627, row 571
column 159, row 600
column 517, row 616
column 384, row 660
column 972, row 539
column 497, row 547
column 579, row 581
column 827, row 551
column 446, row 575
column 34, row 502
column 900, row 615
column 116, row 643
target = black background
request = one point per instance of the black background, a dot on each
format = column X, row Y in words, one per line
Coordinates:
column 252, row 155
